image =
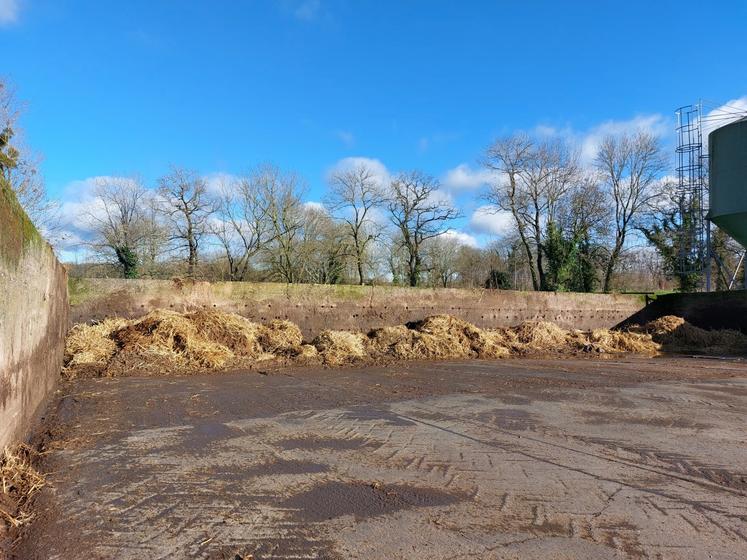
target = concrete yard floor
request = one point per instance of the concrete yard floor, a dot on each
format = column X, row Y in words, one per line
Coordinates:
column 627, row 458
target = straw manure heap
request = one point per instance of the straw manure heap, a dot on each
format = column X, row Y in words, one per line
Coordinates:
column 339, row 347
column 169, row 342
column 91, row 344
column 178, row 342
column 676, row 334
column 19, row 481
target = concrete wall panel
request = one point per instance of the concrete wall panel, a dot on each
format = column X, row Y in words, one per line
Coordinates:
column 33, row 320
column 318, row 307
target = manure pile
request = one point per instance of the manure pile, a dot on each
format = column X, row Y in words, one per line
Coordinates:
column 169, row 342
column 19, row 481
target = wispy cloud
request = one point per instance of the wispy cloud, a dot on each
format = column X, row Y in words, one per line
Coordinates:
column 308, row 10
column 346, row 137
column 379, row 170
column 425, row 143
column 655, row 124
column 461, row 237
column 315, row 206
column 588, row 141
column 491, row 221
column 9, row 10
column 79, row 210
column 219, row 181
column 465, row 178
column 724, row 114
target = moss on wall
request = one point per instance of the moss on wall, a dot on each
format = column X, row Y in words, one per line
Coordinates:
column 17, row 232
column 78, row 290
column 34, row 317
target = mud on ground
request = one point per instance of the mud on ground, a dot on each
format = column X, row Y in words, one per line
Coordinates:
column 632, row 458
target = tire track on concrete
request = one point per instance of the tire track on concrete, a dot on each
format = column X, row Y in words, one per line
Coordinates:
column 514, row 449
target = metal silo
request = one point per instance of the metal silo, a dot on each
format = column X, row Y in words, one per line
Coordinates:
column 727, row 154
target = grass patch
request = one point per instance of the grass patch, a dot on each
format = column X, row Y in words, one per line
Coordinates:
column 79, row 290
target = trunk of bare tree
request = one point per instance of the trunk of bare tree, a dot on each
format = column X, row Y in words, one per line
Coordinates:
column 192, row 259
column 530, row 260
column 540, row 265
column 609, row 270
column 414, row 269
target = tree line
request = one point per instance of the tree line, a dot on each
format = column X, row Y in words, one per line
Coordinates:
column 575, row 226
column 609, row 223
column 257, row 226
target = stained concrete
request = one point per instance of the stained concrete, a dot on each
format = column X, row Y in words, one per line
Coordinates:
column 33, row 320
column 317, row 307
column 707, row 310
column 636, row 458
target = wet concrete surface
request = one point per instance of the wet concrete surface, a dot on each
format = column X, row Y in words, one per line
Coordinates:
column 635, row 458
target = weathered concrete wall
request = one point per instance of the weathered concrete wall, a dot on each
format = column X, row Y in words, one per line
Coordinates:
column 715, row 310
column 33, row 319
column 318, row 307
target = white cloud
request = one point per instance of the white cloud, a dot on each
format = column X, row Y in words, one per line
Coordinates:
column 216, row 182
column 461, row 237
column 722, row 115
column 588, row 142
column 543, row 130
column 346, row 137
column 80, row 203
column 315, row 206
column 9, row 11
column 379, row 170
column 489, row 220
column 380, row 218
column 655, row 124
column 464, row 178
column 442, row 197
column 78, row 212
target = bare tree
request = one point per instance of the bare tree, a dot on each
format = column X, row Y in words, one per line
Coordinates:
column 155, row 236
column 533, row 180
column 419, row 214
column 19, row 168
column 441, row 254
column 631, row 166
column 281, row 195
column 119, row 222
column 241, row 224
column 8, row 116
column 325, row 248
column 355, row 193
column 473, row 266
column 396, row 258
column 187, row 208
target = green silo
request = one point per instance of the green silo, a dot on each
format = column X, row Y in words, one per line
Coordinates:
column 727, row 154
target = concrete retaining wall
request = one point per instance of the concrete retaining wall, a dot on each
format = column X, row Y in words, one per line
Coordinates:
column 715, row 310
column 318, row 307
column 33, row 320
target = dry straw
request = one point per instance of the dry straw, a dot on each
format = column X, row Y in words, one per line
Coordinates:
column 340, row 347
column 19, row 481
column 677, row 335
column 165, row 341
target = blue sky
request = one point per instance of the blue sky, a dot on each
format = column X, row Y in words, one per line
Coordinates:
column 116, row 88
